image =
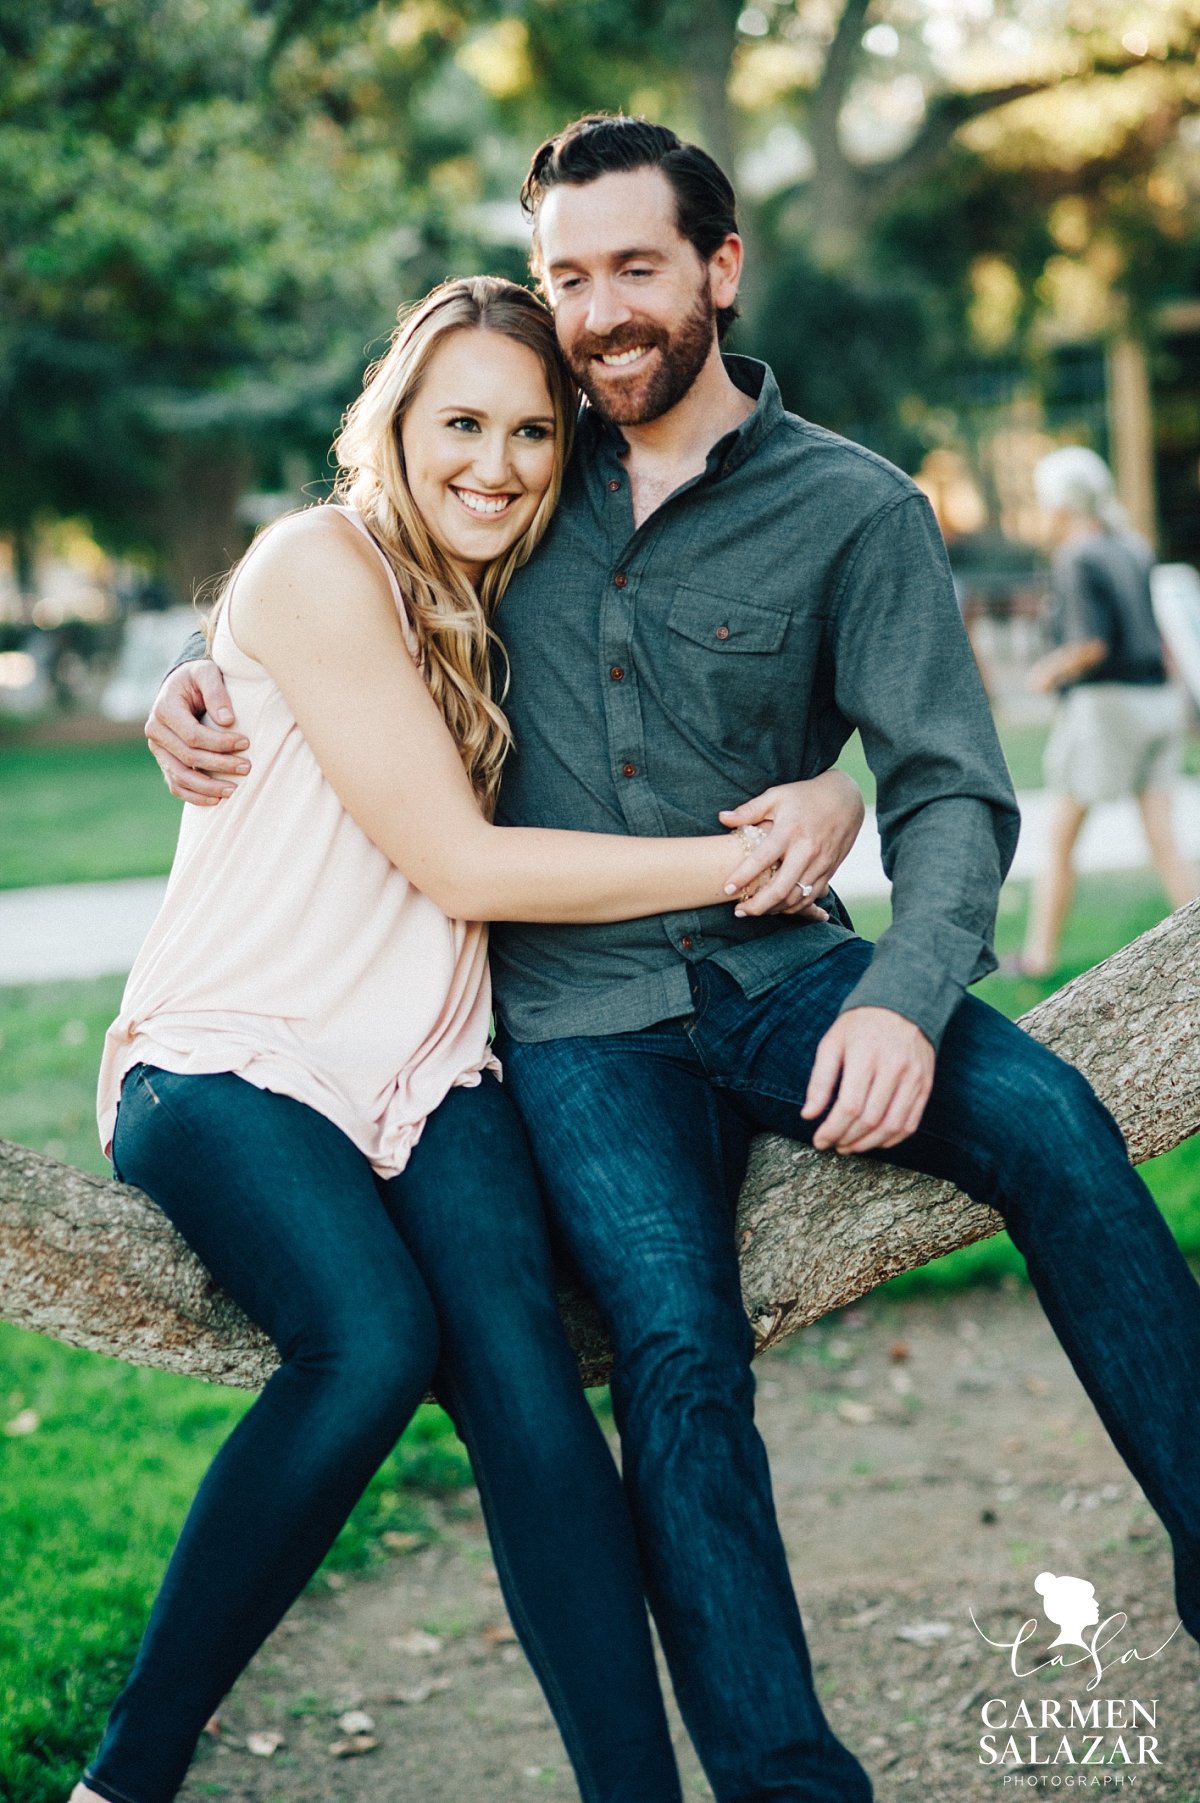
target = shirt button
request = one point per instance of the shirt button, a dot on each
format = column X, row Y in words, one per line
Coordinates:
column 613, row 486
column 620, row 581
column 616, row 673
column 722, row 632
column 686, row 943
column 628, row 769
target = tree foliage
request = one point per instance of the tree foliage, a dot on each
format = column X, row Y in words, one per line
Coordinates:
column 210, row 209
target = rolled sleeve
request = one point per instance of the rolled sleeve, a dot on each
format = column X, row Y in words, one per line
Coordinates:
column 947, row 815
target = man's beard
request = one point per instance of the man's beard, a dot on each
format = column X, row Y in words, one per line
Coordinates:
column 684, row 353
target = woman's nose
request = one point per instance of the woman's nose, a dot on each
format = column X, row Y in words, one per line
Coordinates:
column 492, row 465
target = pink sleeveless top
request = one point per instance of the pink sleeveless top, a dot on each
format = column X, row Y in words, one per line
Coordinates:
column 290, row 951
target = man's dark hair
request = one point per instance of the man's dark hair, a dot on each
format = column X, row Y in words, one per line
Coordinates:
column 608, row 144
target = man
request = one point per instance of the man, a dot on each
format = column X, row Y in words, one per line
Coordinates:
column 724, row 594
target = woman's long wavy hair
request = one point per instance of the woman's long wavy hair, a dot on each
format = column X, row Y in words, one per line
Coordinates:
column 452, row 621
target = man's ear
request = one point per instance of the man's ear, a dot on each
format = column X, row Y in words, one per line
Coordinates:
column 725, row 271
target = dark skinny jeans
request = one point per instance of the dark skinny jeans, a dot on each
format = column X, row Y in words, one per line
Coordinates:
column 370, row 1291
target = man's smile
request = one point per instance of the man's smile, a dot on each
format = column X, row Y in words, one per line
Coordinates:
column 621, row 359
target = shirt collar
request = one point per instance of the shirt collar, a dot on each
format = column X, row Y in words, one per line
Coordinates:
column 753, row 378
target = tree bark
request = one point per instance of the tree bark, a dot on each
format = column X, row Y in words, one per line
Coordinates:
column 97, row 1265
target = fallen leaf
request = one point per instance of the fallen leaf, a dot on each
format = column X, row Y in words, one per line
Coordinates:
column 355, row 1721
column 417, row 1642
column 27, row 1422
column 498, row 1633
column 489, row 1575
column 402, row 1543
column 419, row 1693
column 263, row 1745
column 858, row 1414
column 352, row 1746
column 898, row 1351
column 1037, row 1386
column 924, row 1633
column 213, row 1726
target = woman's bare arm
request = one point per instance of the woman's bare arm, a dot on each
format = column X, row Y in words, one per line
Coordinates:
column 313, row 606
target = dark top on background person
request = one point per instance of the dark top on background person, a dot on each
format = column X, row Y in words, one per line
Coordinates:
column 1101, row 590
column 797, row 589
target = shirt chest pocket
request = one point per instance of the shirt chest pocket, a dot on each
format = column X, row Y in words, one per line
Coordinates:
column 719, row 679
column 724, row 627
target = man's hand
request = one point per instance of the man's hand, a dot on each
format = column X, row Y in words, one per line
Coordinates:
column 198, row 762
column 881, row 1067
column 811, row 827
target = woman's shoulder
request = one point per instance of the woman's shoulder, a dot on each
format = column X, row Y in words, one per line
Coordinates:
column 304, row 551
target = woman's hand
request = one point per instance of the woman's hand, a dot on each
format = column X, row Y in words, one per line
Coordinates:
column 810, row 828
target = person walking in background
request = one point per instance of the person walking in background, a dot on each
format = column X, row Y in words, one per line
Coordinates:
column 1119, row 730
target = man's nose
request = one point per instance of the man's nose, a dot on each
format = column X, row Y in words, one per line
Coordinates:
column 606, row 310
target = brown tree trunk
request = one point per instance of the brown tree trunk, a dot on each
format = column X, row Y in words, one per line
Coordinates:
column 194, row 517
column 97, row 1265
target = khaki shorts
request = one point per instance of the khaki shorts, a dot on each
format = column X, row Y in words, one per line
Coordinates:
column 1114, row 739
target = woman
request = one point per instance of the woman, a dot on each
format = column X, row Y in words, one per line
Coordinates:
column 1120, row 726
column 302, row 1061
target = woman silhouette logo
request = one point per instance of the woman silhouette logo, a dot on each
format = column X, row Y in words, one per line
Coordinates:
column 1070, row 1603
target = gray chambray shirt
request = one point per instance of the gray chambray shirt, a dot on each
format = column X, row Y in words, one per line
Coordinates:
column 795, row 590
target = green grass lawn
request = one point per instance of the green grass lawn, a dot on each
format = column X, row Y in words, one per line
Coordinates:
column 74, row 813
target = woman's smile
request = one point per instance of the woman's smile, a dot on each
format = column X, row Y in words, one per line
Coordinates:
column 476, row 501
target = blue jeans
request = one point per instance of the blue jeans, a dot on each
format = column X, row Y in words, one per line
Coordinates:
column 370, row 1291
column 640, row 1140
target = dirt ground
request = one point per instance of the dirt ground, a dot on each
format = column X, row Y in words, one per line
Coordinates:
column 929, row 1459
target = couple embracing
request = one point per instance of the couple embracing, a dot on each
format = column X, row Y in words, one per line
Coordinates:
column 702, row 596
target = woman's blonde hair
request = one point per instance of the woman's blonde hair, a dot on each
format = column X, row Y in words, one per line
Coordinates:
column 452, row 621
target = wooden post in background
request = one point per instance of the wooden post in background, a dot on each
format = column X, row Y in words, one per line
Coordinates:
column 1131, row 434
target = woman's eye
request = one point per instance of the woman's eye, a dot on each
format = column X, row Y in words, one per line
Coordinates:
column 534, row 432
column 464, row 424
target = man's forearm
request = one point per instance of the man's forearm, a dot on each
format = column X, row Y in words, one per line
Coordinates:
column 946, row 864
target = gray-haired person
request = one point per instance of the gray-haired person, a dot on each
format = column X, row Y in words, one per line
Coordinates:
column 1119, row 730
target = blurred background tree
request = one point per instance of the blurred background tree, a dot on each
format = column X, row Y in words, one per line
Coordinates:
column 968, row 220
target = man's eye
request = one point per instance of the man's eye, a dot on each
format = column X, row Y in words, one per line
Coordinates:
column 639, row 271
column 463, row 424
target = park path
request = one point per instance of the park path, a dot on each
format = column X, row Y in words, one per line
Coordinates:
column 95, row 929
column 929, row 1458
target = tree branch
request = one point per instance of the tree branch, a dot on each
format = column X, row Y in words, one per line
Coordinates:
column 97, row 1265
column 947, row 115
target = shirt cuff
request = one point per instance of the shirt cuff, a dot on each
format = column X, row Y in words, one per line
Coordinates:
column 910, row 980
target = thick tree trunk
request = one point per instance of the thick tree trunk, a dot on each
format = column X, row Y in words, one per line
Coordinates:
column 95, row 1263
